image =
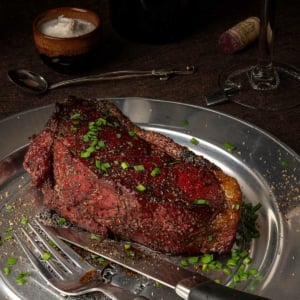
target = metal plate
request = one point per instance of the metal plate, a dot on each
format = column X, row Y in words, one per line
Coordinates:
column 267, row 170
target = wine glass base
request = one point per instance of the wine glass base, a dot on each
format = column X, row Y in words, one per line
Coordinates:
column 282, row 93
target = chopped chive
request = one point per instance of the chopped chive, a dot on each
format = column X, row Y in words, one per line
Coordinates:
column 124, row 165
column 75, row 116
column 101, row 144
column 140, row 188
column 215, row 265
column 184, row 263
column 227, row 271
column 236, row 278
column 130, row 253
column 61, row 221
column 201, row 202
column 22, row 278
column 247, row 260
column 204, row 267
column 229, row 146
column 86, row 138
column 100, row 260
column 85, row 154
column 24, row 220
column 231, row 262
column 193, row 260
column 252, row 272
column 46, row 256
column 139, row 168
column 90, row 149
column 156, row 171
column 8, row 237
column 132, row 134
column 102, row 166
column 243, row 253
column 127, row 246
column 235, row 206
column 185, row 122
column 9, row 208
column 94, row 237
column 210, row 238
column 11, row 261
column 101, row 121
column 207, row 258
column 52, row 244
column 244, row 276
column 194, row 141
column 284, row 163
column 6, row 270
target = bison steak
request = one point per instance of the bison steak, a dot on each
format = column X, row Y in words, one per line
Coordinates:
column 107, row 175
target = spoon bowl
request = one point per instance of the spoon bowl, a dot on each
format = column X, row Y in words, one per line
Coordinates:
column 29, row 81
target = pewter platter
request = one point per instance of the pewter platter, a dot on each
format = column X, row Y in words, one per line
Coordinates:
column 267, row 170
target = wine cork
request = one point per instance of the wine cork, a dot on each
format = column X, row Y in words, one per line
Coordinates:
column 240, row 35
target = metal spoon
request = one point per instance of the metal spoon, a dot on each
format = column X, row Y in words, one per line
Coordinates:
column 37, row 84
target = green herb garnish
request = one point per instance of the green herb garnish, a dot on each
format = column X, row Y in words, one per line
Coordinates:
column 156, row 171
column 284, row 163
column 24, row 220
column 127, row 246
column 124, row 165
column 194, row 141
column 75, row 116
column 229, row 146
column 201, row 202
column 139, row 168
column 11, row 261
column 61, row 221
column 184, row 122
column 9, row 208
column 94, row 237
column 102, row 166
column 22, row 277
column 140, row 188
column 46, row 256
column 132, row 134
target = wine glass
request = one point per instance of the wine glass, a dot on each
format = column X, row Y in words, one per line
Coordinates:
column 263, row 85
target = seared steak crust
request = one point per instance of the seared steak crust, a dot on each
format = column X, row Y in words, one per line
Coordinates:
column 109, row 176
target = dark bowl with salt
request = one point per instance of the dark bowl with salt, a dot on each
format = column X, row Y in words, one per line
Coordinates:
column 67, row 38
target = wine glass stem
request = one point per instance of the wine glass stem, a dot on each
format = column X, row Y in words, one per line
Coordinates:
column 263, row 76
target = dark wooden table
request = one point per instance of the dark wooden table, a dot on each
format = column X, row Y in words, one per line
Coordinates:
column 199, row 47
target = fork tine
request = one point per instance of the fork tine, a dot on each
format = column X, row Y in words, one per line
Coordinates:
column 34, row 260
column 58, row 257
column 54, row 267
column 68, row 251
column 81, row 281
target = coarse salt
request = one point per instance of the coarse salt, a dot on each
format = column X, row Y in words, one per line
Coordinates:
column 63, row 27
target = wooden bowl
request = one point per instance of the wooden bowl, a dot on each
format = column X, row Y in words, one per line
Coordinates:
column 62, row 51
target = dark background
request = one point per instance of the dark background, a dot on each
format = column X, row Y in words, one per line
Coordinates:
column 199, row 47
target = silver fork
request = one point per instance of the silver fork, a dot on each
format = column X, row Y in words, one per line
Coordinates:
column 69, row 276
